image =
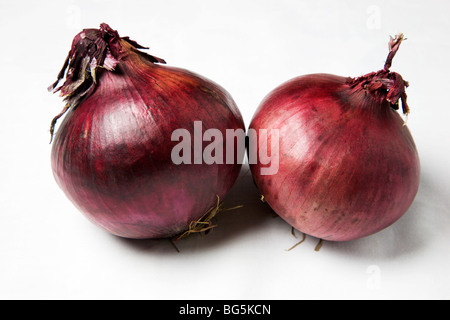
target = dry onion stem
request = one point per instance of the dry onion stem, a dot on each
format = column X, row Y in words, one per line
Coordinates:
column 317, row 248
column 319, row 245
column 301, row 241
column 263, row 199
column 204, row 224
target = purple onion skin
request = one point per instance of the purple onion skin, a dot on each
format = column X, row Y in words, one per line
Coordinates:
column 112, row 153
column 348, row 166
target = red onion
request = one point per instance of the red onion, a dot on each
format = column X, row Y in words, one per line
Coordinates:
column 347, row 164
column 112, row 154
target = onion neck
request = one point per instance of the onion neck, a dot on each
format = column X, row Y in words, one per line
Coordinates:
column 384, row 85
column 93, row 49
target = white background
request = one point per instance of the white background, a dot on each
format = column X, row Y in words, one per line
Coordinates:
column 49, row 250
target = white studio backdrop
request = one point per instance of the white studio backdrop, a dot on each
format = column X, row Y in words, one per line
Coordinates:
column 49, row 250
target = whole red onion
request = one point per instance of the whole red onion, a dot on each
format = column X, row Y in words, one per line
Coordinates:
column 347, row 164
column 112, row 154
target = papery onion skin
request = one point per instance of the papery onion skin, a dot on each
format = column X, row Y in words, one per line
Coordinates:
column 112, row 153
column 348, row 165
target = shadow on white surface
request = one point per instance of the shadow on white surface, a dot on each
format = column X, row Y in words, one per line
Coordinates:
column 421, row 225
column 410, row 234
